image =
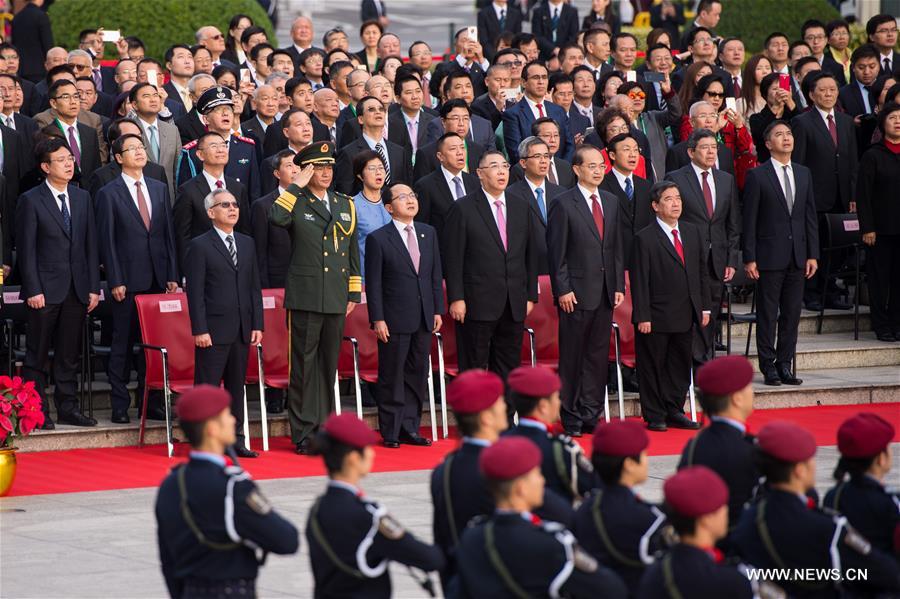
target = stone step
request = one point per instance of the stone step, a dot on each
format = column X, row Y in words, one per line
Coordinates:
column 840, row 350
column 835, row 321
column 832, row 386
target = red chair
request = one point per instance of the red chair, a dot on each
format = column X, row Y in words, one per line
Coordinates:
column 358, row 359
column 274, row 337
column 542, row 328
column 444, row 355
column 168, row 350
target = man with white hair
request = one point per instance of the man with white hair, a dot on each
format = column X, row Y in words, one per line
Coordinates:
column 190, row 126
column 301, row 38
column 212, row 39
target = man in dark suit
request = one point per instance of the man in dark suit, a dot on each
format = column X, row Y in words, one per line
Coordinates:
column 882, row 33
column 11, row 164
column 703, row 116
column 560, row 171
column 225, row 302
column 490, row 259
column 824, row 141
column 633, row 191
column 708, row 14
column 372, row 116
column 497, row 79
column 517, row 119
column 405, row 293
column 494, row 19
column 458, row 85
column 112, row 170
column 710, row 202
column 554, row 23
column 373, row 10
column 534, row 188
column 189, row 211
column 180, row 64
column 446, row 183
column 584, row 243
column 854, row 97
column 670, row 295
column 668, row 15
column 137, row 250
column 81, row 138
column 409, row 125
column 455, row 116
column 57, row 253
column 781, row 247
column 32, row 35
column 469, row 59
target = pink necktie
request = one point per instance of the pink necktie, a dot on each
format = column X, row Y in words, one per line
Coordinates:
column 73, row 146
column 413, row 245
column 414, row 135
column 143, row 209
column 501, row 223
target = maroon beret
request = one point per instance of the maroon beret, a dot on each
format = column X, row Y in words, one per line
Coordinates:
column 695, row 491
column 509, row 458
column 786, row 441
column 202, row 403
column 536, row 381
column 725, row 375
column 620, row 438
column 474, row 391
column 346, row 428
column 864, row 435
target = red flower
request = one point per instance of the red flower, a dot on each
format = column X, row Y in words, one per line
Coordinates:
column 6, row 424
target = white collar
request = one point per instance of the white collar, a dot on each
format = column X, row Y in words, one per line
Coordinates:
column 779, row 165
column 699, row 171
column 621, row 178
column 824, row 114
column 212, row 180
column 129, row 182
column 223, row 235
column 666, row 228
column 542, row 186
column 55, row 191
column 588, row 193
column 491, row 199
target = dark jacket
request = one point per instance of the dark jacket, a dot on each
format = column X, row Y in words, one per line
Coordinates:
column 273, row 244
column 489, row 28
column 32, row 37
column 551, row 192
column 634, row 214
column 833, row 169
column 878, row 191
column 398, row 157
column 542, row 27
column 436, row 197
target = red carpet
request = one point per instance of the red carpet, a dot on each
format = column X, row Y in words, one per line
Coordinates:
column 129, row 467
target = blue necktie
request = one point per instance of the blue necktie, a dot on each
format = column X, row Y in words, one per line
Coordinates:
column 629, row 190
column 541, row 204
column 67, row 218
column 554, row 21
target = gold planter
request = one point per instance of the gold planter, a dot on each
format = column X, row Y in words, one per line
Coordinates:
column 7, row 469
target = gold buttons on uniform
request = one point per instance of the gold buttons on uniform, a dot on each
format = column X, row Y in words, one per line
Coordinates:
column 343, row 270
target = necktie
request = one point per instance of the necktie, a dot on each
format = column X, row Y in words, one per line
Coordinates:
column 231, row 249
column 142, row 206
column 541, row 204
column 503, row 21
column 73, row 145
column 98, row 79
column 219, row 185
column 550, row 176
column 412, row 245
column 67, row 218
column 457, row 183
column 414, row 134
column 832, row 128
column 629, row 189
column 707, row 194
column 887, row 64
column 379, row 149
column 788, row 191
column 154, row 143
column 501, row 222
column 554, row 22
column 679, row 249
column 331, row 134
column 540, row 109
column 186, row 99
column 737, row 87
column 597, row 213
column 11, row 122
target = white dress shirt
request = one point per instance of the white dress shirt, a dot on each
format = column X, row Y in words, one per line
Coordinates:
column 621, row 178
column 865, row 96
column 779, row 172
column 132, row 189
column 491, row 200
column 211, row 181
column 452, row 186
column 56, row 193
column 534, row 188
column 698, row 172
column 533, row 106
column 587, row 193
column 461, row 61
column 825, row 115
column 223, row 235
column 401, row 228
column 498, row 8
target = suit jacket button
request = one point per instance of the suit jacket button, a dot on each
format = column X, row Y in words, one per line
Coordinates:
column 343, row 253
column 325, row 254
column 343, row 270
column 790, row 236
column 326, row 269
column 326, row 237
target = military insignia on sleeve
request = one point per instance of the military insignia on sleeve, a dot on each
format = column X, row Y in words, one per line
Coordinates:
column 308, row 216
column 584, row 463
column 345, row 217
column 583, row 561
column 390, row 528
column 856, row 541
column 258, row 503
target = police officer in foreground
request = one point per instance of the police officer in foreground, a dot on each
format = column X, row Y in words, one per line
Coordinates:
column 864, row 442
column 352, row 539
column 613, row 524
column 726, row 396
column 323, row 285
column 535, row 395
column 216, row 106
column 783, row 530
column 697, row 508
column 215, row 527
column 513, row 553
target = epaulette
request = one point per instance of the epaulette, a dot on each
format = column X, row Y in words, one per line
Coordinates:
column 244, row 139
column 190, row 145
column 551, row 527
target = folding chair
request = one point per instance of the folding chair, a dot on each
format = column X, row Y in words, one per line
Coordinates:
column 255, row 376
column 360, row 361
column 842, row 233
column 739, row 281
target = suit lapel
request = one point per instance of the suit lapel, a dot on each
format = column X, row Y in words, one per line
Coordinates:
column 318, row 206
column 394, row 236
column 482, row 204
column 126, row 198
column 582, row 207
column 50, row 204
column 220, row 246
column 697, row 194
column 773, row 176
column 819, row 126
column 721, row 192
column 667, row 243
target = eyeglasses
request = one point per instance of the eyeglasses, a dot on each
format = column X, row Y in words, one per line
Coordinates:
column 375, row 169
column 214, row 146
column 539, row 77
column 405, row 196
column 545, row 156
column 715, row 94
column 595, row 166
column 227, row 205
column 10, row 57
column 216, row 37
column 637, row 95
column 377, row 109
column 64, row 160
column 887, row 31
column 503, row 166
column 458, row 118
column 815, row 38
column 68, row 97
column 702, row 40
column 81, row 67
column 707, row 115
column 141, row 148
column 514, row 63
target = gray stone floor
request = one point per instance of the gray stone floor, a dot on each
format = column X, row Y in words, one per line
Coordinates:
column 103, row 544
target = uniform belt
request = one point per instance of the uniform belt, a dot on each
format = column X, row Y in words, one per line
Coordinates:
column 199, row 588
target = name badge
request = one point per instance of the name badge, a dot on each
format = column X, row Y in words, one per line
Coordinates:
column 308, row 216
column 170, row 306
column 268, row 303
column 345, row 216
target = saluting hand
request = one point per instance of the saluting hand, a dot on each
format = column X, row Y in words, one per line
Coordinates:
column 301, row 179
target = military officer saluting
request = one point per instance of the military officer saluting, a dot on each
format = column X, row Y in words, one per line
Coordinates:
column 535, row 395
column 783, row 531
column 513, row 553
column 214, row 526
column 323, row 285
column 613, row 524
column 216, row 107
column 352, row 539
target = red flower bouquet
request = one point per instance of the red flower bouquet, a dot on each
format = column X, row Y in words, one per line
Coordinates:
column 20, row 409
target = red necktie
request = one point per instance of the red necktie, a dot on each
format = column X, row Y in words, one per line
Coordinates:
column 679, row 249
column 597, row 211
column 540, row 108
column 737, row 88
column 832, row 128
column 707, row 194
column 219, row 185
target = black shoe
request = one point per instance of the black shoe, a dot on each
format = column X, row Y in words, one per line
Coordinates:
column 155, row 413
column 243, row 452
column 48, row 424
column 392, row 444
column 771, row 379
column 120, row 417
column 886, row 336
column 721, row 346
column 76, row 418
column 416, row 440
column 659, row 427
column 303, row 447
column 814, row 306
column 682, row 421
column 787, row 377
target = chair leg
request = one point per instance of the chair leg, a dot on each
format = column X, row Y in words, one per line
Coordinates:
column 693, row 399
column 434, row 435
column 728, row 323
column 440, row 346
column 821, row 318
column 144, row 414
column 263, row 411
column 856, row 251
column 246, row 420
column 619, row 383
column 337, row 394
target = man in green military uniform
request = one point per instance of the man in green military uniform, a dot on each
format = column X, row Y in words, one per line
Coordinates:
column 323, row 285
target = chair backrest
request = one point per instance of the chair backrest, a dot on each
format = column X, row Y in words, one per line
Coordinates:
column 166, row 322
column 544, row 320
column 357, row 326
column 842, row 230
column 276, row 354
column 14, row 307
column 622, row 317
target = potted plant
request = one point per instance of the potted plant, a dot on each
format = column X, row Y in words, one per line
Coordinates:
column 20, row 413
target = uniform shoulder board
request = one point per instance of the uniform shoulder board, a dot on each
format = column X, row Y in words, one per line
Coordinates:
column 856, row 541
column 390, row 528
column 551, row 526
column 257, row 502
column 190, row 145
column 340, row 195
column 583, row 560
column 478, row 520
column 248, row 140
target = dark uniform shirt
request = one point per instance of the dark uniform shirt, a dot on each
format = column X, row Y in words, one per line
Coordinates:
column 620, row 531
column 242, row 164
column 870, row 509
column 539, row 559
column 687, row 571
column 324, row 271
column 782, row 531
column 231, row 513
column 352, row 539
column 566, row 469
